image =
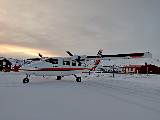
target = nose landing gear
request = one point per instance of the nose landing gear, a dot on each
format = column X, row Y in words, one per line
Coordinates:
column 26, row 80
column 78, row 79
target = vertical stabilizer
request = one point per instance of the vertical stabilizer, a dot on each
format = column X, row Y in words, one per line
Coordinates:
column 97, row 61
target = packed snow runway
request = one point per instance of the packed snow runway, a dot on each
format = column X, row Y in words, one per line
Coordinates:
column 97, row 97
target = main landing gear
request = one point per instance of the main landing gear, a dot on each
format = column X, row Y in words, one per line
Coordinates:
column 26, row 80
column 59, row 77
column 78, row 79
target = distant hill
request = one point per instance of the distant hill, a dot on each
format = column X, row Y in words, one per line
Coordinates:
column 16, row 62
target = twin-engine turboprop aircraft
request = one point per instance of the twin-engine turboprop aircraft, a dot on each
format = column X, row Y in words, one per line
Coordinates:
column 73, row 65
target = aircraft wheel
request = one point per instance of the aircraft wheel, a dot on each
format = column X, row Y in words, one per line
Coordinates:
column 25, row 80
column 78, row 79
column 59, row 77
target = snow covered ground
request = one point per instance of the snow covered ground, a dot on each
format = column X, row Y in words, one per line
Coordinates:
column 97, row 97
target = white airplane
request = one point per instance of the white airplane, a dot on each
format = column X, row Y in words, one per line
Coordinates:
column 73, row 65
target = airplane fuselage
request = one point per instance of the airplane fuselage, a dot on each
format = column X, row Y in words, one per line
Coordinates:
column 73, row 65
column 57, row 66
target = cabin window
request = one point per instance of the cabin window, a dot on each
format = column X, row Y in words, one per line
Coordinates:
column 66, row 62
column 53, row 61
column 79, row 64
column 73, row 63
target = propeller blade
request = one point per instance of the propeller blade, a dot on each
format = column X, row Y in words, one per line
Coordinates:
column 40, row 55
column 69, row 53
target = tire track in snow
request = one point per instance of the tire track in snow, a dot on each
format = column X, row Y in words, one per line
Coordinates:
column 125, row 88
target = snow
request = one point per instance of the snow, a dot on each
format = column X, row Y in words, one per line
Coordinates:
column 98, row 97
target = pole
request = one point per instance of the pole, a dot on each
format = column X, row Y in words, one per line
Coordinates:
column 113, row 70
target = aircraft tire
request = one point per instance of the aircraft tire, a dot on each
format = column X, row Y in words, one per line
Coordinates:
column 59, row 77
column 25, row 80
column 78, row 79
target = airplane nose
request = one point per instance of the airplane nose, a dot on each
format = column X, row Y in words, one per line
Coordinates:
column 24, row 70
column 16, row 68
column 21, row 69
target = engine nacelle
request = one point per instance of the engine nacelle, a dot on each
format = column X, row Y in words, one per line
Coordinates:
column 74, row 57
column 83, row 56
column 77, row 57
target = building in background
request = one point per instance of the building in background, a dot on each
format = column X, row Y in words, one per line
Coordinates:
column 149, row 69
column 142, row 69
column 132, row 69
column 5, row 65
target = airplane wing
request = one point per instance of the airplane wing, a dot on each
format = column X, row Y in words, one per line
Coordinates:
column 121, row 56
column 38, row 59
column 34, row 59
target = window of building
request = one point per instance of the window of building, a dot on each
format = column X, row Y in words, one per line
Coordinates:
column 4, row 63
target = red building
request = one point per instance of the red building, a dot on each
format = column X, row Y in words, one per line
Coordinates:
column 132, row 69
column 143, row 69
column 149, row 69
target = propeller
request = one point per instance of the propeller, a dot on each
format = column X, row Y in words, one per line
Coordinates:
column 69, row 53
column 37, row 59
column 74, row 57
column 40, row 55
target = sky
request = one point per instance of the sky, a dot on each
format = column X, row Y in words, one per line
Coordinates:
column 52, row 27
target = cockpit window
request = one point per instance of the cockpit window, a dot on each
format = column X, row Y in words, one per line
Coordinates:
column 66, row 62
column 53, row 61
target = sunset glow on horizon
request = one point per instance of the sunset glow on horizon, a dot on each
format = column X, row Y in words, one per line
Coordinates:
column 9, row 49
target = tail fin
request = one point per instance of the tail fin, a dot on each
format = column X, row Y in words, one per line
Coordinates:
column 97, row 61
column 100, row 52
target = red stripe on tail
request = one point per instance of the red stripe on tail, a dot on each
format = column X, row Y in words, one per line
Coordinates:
column 96, row 63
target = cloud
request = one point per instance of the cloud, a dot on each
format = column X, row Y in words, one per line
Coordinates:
column 83, row 27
